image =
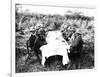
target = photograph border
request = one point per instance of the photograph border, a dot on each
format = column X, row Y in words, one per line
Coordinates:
column 13, row 74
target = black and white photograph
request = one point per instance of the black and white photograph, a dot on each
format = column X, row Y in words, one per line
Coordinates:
column 53, row 38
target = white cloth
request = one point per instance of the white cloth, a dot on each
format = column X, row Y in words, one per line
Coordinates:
column 56, row 45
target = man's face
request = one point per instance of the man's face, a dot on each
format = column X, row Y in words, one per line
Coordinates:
column 69, row 34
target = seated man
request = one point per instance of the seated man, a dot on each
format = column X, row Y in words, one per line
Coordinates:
column 76, row 43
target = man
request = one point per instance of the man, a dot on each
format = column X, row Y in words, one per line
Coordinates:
column 30, row 43
column 76, row 43
column 36, row 40
column 68, row 33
